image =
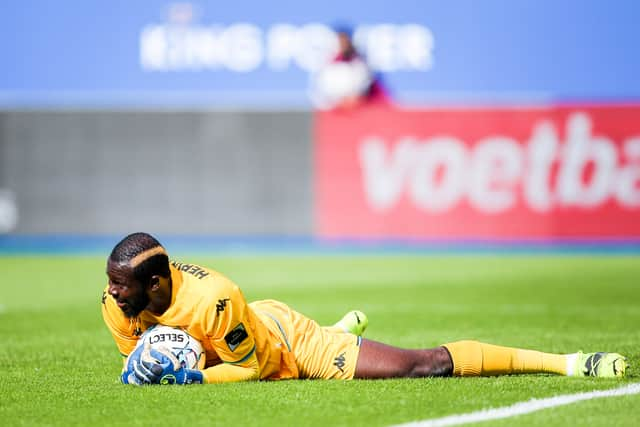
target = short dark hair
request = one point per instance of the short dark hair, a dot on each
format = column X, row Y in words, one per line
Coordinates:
column 135, row 244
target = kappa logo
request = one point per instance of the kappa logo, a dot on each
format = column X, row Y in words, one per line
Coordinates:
column 339, row 362
column 220, row 306
column 104, row 297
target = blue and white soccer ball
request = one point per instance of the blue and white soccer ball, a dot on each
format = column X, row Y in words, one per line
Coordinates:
column 184, row 347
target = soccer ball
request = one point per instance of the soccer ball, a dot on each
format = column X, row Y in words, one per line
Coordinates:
column 184, row 347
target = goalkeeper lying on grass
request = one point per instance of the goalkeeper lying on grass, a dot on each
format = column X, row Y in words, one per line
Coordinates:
column 268, row 340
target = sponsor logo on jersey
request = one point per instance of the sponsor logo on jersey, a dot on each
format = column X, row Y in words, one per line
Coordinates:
column 236, row 336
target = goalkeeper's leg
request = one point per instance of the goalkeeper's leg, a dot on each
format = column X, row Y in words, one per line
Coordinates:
column 476, row 358
column 472, row 358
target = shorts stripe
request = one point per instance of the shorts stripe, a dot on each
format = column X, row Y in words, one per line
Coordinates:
column 286, row 341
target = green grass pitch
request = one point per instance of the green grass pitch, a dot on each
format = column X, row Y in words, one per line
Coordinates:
column 60, row 366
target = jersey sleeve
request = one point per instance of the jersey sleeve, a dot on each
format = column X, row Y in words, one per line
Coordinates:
column 120, row 327
column 228, row 328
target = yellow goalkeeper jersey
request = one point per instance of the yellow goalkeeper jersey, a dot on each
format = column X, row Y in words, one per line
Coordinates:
column 240, row 343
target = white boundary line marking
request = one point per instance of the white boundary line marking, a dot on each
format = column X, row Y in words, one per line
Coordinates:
column 521, row 408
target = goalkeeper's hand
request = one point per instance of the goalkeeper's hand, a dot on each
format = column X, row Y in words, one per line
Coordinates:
column 158, row 366
column 128, row 376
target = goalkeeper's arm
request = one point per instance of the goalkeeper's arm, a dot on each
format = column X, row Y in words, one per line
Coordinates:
column 227, row 372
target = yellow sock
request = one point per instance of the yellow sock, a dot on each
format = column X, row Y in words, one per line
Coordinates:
column 473, row 358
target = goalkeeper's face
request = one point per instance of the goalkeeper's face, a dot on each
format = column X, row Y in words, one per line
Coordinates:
column 130, row 295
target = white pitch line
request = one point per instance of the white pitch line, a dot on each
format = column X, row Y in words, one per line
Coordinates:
column 521, row 408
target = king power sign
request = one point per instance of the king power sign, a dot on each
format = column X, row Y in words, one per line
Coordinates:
column 545, row 172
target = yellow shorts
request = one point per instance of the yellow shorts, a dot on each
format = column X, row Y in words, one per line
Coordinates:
column 319, row 352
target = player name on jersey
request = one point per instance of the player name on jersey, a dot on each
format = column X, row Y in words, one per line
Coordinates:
column 193, row 269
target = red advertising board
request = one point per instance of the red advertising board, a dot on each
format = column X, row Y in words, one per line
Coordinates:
column 488, row 173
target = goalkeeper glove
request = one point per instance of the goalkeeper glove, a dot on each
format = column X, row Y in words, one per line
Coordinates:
column 128, row 376
column 160, row 366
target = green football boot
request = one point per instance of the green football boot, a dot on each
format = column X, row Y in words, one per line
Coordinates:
column 604, row 365
column 354, row 322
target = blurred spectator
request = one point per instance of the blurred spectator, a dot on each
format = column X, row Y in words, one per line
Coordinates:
column 347, row 81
